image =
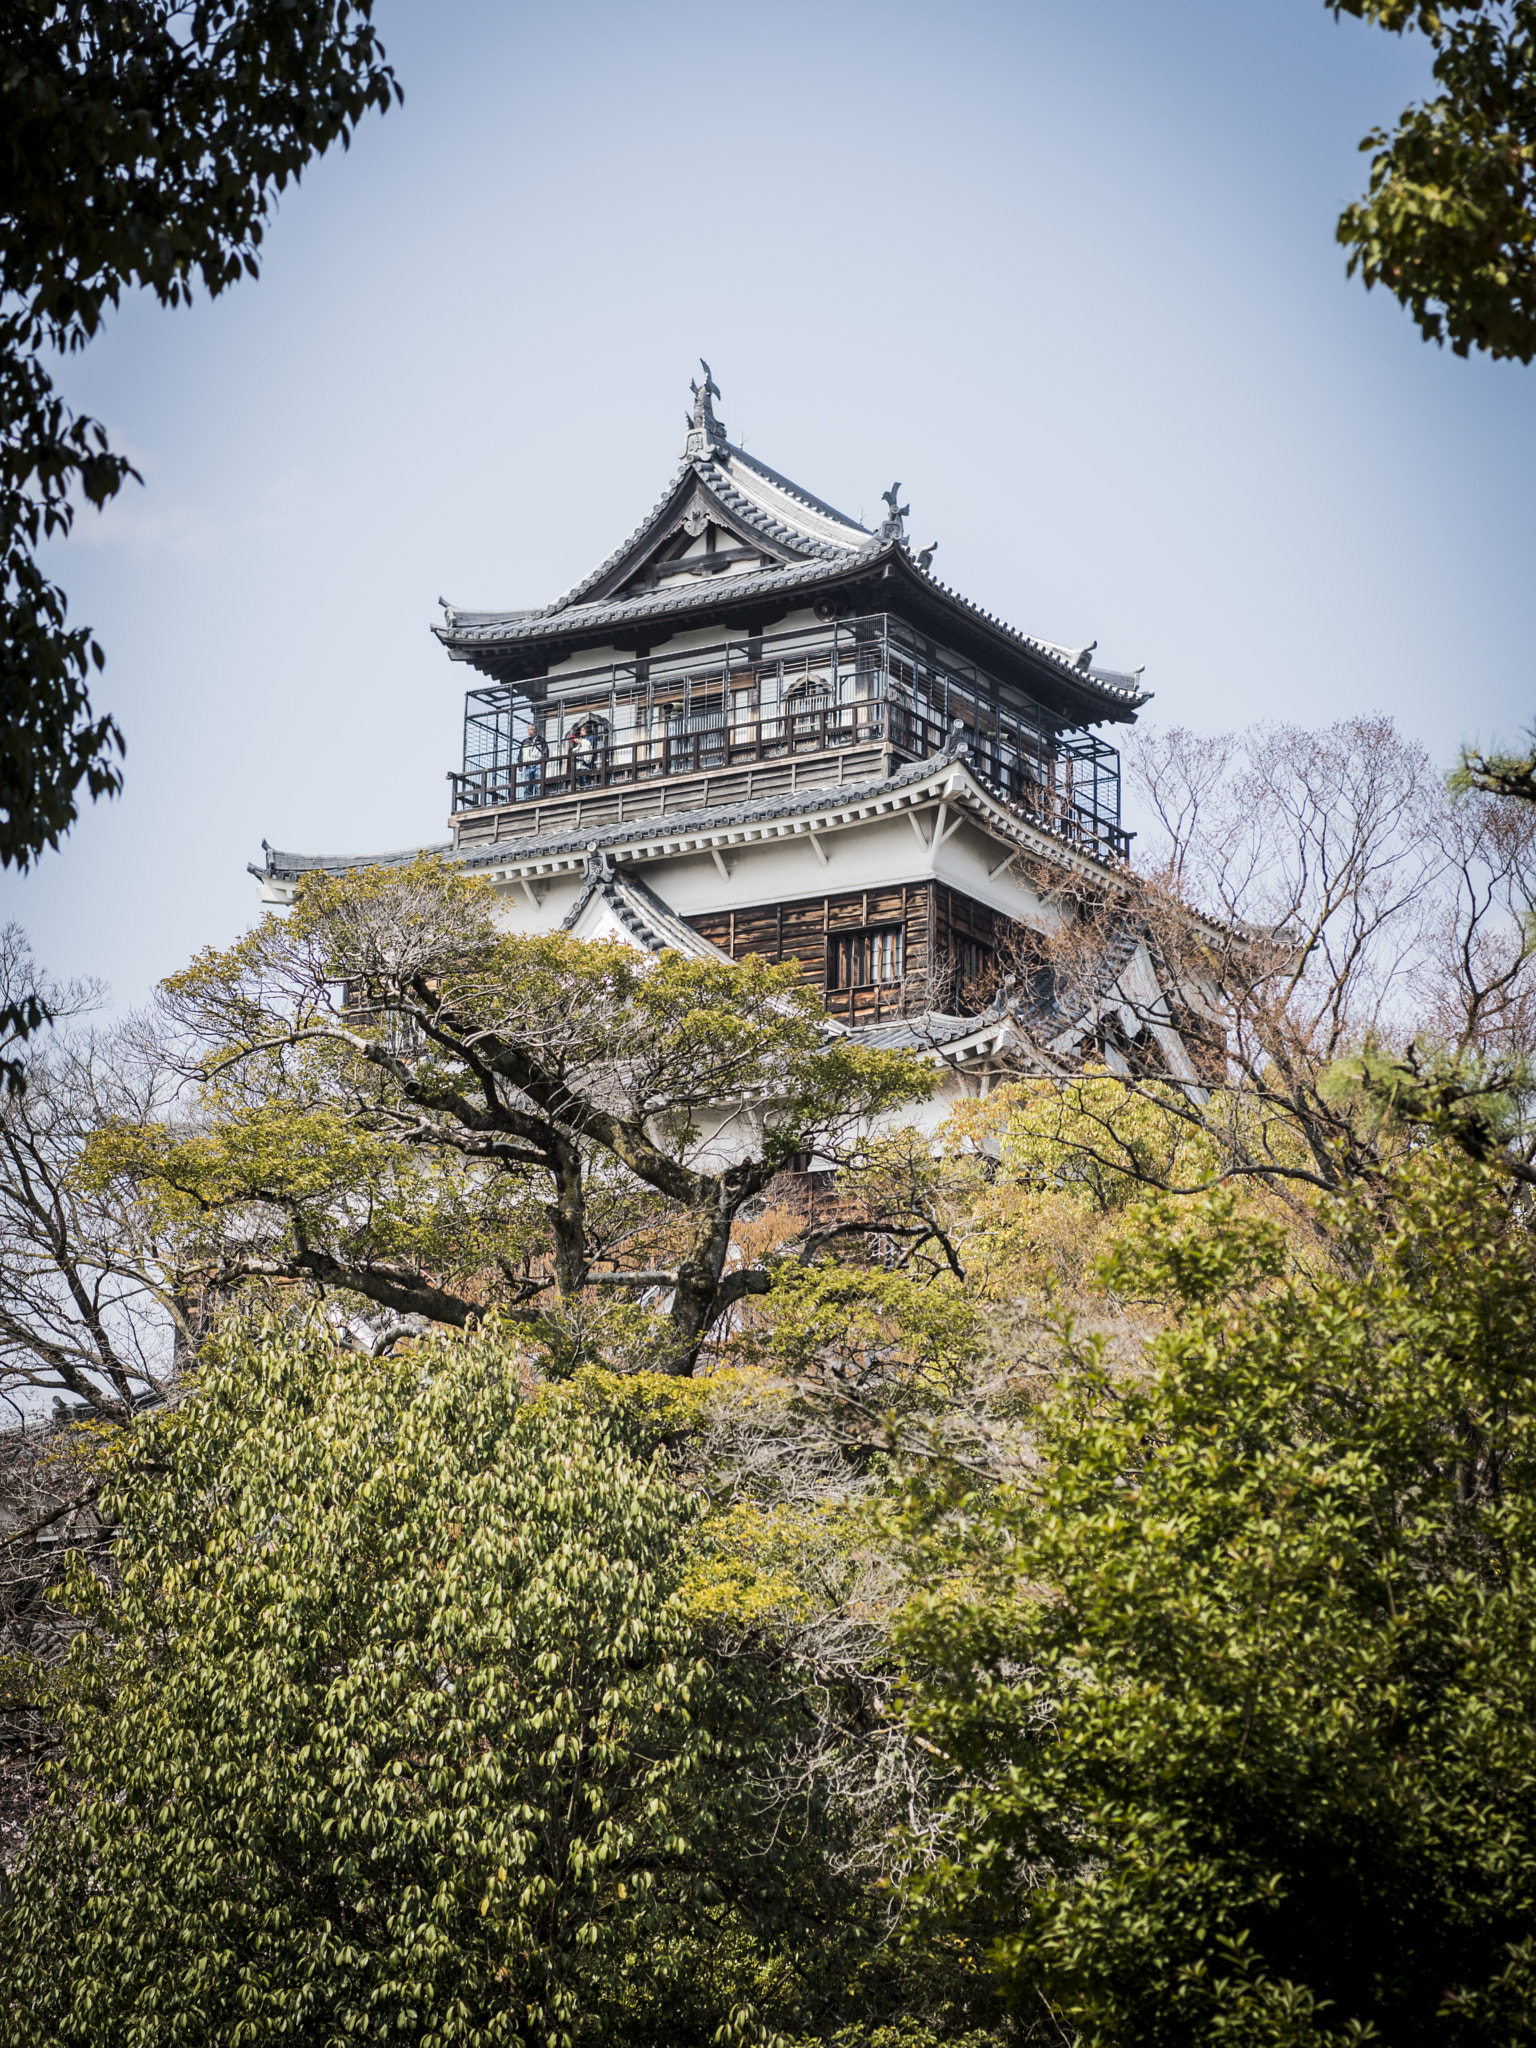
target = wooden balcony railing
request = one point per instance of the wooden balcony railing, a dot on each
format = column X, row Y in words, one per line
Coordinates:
column 717, row 744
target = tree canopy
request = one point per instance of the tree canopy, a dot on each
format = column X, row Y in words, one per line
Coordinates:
column 431, row 1751
column 1242, row 1685
column 401, row 1100
column 1448, row 223
column 144, row 145
column 1070, row 1576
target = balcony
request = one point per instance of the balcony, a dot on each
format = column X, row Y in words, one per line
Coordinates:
column 844, row 703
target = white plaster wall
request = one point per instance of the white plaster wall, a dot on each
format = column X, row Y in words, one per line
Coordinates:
column 726, row 1135
column 970, row 862
column 603, row 926
column 877, row 853
column 880, row 853
column 555, row 899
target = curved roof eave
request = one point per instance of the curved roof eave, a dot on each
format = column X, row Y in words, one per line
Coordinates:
column 491, row 645
column 811, row 526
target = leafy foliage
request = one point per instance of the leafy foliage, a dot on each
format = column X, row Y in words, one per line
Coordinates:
column 1501, row 773
column 404, row 1101
column 866, row 1327
column 145, row 145
column 1243, row 1690
column 1175, row 1660
column 1449, row 222
column 397, row 1727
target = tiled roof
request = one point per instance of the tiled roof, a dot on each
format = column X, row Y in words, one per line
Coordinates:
column 822, row 545
column 287, row 867
column 958, row 1041
column 904, row 1034
column 570, row 847
column 504, row 629
column 758, row 496
column 650, row 922
column 781, row 510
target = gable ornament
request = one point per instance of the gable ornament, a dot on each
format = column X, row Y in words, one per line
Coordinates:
column 892, row 526
column 706, row 436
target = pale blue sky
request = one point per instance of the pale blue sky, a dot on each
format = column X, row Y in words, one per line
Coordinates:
column 1064, row 267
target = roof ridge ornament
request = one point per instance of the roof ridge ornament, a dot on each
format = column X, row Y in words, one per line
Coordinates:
column 891, row 527
column 706, row 436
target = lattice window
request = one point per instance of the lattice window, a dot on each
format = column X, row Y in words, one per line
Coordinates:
column 868, row 959
column 972, row 959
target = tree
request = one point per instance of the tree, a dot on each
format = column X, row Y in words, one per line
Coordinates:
column 792, row 1581
column 1306, row 901
column 1449, row 222
column 1242, row 1685
column 1468, row 1074
column 94, row 1304
column 1497, row 774
column 403, row 1103
column 429, row 1750
column 145, row 144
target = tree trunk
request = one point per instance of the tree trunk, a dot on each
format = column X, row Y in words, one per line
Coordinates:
column 701, row 1297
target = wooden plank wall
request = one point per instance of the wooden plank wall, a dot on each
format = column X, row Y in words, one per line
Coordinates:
column 658, row 796
column 957, row 917
column 932, row 916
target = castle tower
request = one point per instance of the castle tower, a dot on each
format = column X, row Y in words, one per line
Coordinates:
column 761, row 727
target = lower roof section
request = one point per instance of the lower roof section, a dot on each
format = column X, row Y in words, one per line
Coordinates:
column 1027, row 1028
column 945, row 778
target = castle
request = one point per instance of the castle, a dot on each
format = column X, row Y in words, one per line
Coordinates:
column 759, row 727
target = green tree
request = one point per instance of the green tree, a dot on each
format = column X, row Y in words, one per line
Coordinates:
column 397, row 1728
column 144, row 144
column 403, row 1102
column 1448, row 224
column 1499, row 773
column 1244, row 1690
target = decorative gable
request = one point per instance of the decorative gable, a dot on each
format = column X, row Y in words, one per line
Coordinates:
column 616, row 905
column 702, row 540
column 735, row 545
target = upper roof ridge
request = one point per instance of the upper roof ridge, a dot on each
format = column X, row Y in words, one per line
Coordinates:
column 811, row 536
column 807, row 543
column 800, row 494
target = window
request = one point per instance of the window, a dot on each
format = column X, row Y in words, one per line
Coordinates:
column 588, row 750
column 865, row 959
column 807, row 704
column 972, row 959
column 809, row 694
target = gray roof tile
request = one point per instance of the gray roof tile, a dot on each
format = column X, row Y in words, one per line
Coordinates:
column 467, row 634
column 668, row 825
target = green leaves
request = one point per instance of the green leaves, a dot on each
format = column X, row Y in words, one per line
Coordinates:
column 399, row 1726
column 1244, row 1698
column 860, row 1327
column 501, row 1117
column 53, row 741
column 144, row 145
column 1449, row 222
